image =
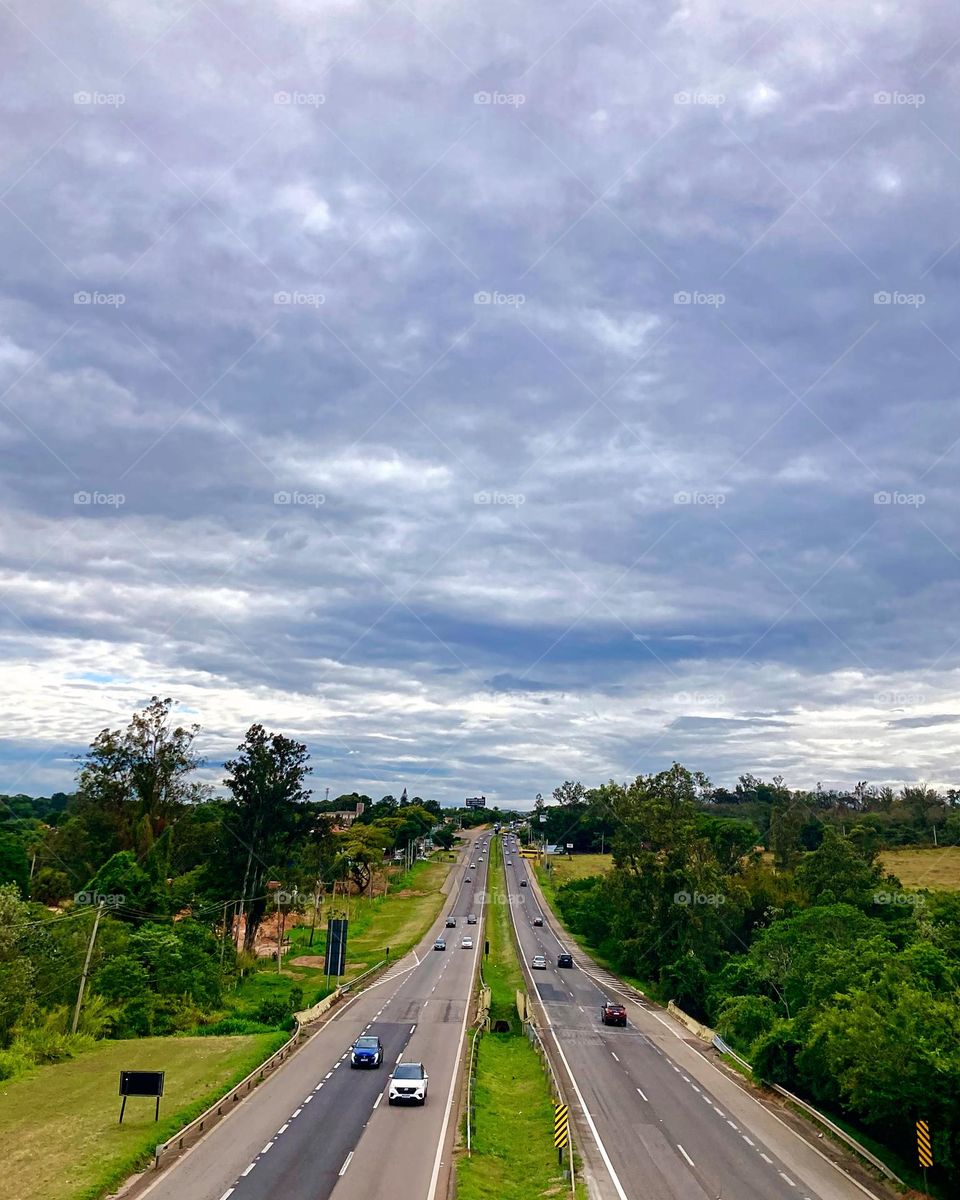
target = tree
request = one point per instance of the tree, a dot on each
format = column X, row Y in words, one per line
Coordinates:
column 133, row 782
column 838, row 872
column 361, row 847
column 16, row 969
column 266, row 782
column 569, row 792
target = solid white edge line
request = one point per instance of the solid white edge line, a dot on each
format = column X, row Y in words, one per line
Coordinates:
column 685, row 1155
column 437, row 1162
column 338, row 1013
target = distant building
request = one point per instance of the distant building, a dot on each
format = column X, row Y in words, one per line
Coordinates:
column 343, row 818
column 476, row 802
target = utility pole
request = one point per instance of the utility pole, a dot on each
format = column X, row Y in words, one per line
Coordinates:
column 280, row 926
column 316, row 905
column 86, row 968
column 223, row 940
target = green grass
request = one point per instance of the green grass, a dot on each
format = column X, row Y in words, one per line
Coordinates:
column 397, row 920
column 563, row 869
column 501, row 969
column 59, row 1136
column 513, row 1155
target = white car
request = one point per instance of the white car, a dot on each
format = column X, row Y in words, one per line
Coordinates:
column 466, row 942
column 539, row 963
column 408, row 1084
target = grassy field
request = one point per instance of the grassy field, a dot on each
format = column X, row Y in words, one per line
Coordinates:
column 938, row 870
column 513, row 1156
column 397, row 920
column 562, row 870
column 59, row 1136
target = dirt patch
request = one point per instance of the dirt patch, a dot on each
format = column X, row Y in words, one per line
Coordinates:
column 306, row 960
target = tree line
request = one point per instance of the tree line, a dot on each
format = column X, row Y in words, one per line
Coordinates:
column 826, row 974
column 183, row 878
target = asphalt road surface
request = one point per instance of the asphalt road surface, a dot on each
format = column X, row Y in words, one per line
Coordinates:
column 318, row 1128
column 663, row 1123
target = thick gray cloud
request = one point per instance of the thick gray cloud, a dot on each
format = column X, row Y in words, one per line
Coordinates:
column 486, row 395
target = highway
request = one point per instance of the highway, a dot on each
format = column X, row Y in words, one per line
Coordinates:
column 658, row 1120
column 317, row 1128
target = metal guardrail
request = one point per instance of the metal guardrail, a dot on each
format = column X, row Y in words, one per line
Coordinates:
column 842, row 1134
column 246, row 1085
column 234, row 1095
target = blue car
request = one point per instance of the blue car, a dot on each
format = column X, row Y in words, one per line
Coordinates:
column 366, row 1052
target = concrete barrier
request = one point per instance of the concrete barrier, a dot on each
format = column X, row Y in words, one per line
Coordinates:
column 702, row 1031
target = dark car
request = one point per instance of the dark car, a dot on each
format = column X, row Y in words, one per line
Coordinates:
column 613, row 1014
column 440, row 944
column 564, row 960
column 471, row 918
column 451, row 922
column 538, row 920
column 366, row 1052
column 523, row 883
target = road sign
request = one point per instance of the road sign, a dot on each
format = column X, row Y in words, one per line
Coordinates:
column 336, row 953
column 141, row 1083
column 924, row 1152
column 561, row 1125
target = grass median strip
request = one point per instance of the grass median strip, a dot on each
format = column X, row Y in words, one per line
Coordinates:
column 513, row 1155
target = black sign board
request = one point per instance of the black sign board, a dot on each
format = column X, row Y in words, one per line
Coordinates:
column 336, row 955
column 141, row 1083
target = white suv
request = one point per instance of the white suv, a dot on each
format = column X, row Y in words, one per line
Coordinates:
column 408, row 1084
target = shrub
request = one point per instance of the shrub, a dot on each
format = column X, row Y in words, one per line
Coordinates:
column 273, row 1011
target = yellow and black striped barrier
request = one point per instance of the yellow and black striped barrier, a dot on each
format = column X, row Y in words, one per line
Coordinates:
column 924, row 1150
column 561, row 1125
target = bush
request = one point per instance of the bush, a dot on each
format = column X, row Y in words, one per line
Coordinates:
column 13, row 1062
column 743, row 1019
column 274, row 1011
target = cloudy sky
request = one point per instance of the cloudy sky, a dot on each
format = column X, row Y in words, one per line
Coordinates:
column 486, row 394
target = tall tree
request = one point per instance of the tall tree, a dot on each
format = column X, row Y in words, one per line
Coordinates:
column 266, row 782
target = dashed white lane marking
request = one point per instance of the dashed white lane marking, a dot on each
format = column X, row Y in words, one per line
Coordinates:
column 328, row 1074
column 244, row 1174
column 283, row 1128
column 685, row 1154
column 228, row 1192
column 346, row 1163
column 722, row 1114
column 266, row 1147
column 307, row 1099
column 765, row 1159
column 617, row 1059
column 642, row 1096
column 376, row 1102
column 747, row 1140
column 582, row 1009
column 412, row 1028
column 686, row 1078
column 399, row 1056
column 336, row 1065
column 732, row 1126
column 694, row 1086
column 788, row 1179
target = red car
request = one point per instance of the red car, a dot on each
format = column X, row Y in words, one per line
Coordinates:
column 613, row 1014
